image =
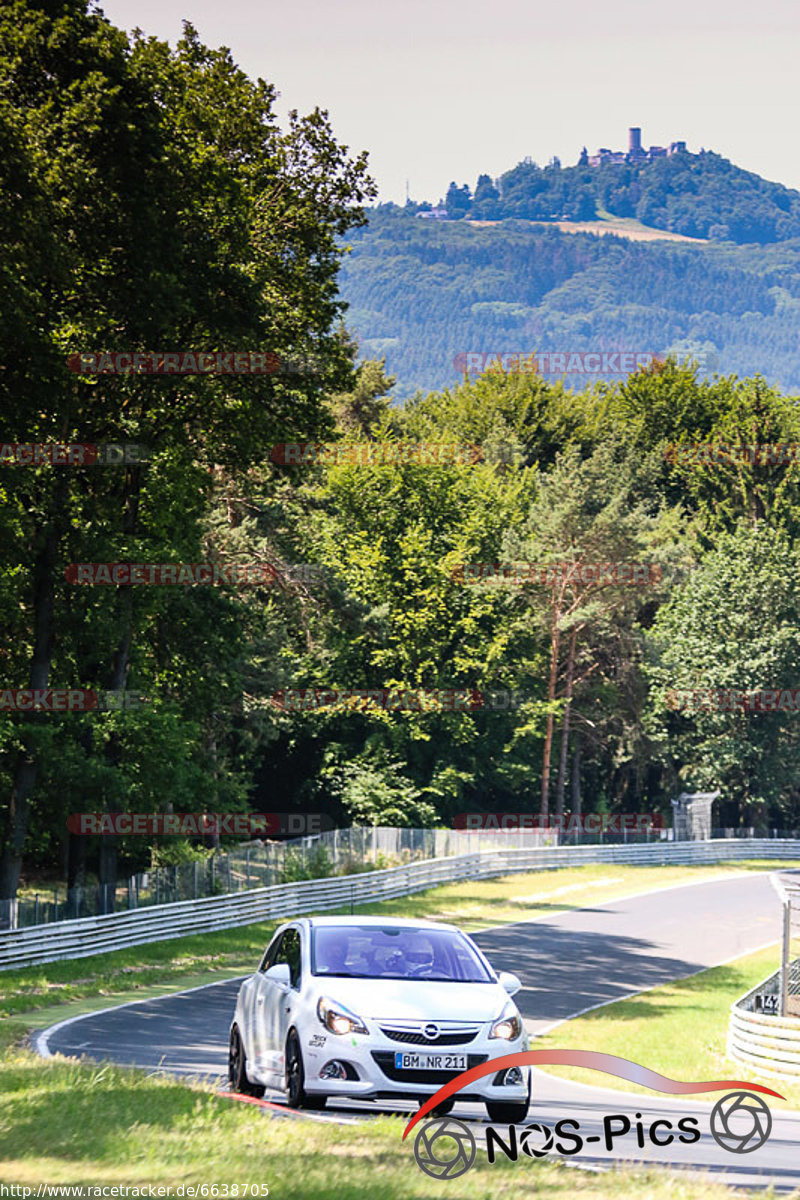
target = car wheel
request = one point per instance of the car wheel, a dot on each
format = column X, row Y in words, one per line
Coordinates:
column 507, row 1112
column 296, row 1094
column 237, row 1068
column 442, row 1109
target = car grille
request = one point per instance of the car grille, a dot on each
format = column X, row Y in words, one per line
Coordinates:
column 448, row 1035
column 385, row 1060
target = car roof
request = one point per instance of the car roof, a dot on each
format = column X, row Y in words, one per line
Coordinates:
column 379, row 922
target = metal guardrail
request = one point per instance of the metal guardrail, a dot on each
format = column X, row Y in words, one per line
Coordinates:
column 769, row 1044
column 114, row 931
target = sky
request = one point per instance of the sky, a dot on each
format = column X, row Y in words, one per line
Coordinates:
column 441, row 90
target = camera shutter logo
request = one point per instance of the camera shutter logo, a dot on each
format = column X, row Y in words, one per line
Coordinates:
column 454, row 1154
column 740, row 1122
column 536, row 1132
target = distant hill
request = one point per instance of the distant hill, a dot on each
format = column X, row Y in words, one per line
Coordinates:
column 422, row 292
column 699, row 195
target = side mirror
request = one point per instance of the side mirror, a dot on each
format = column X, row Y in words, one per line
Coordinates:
column 279, row 974
column 510, row 982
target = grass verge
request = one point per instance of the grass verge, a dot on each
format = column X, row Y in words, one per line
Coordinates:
column 63, row 1123
column 679, row 1029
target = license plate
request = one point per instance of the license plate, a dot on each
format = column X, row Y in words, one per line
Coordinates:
column 430, row 1062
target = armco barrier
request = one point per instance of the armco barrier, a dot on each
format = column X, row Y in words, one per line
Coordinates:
column 762, row 1042
column 95, row 935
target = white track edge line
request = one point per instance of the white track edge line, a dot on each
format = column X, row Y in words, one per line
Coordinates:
column 41, row 1040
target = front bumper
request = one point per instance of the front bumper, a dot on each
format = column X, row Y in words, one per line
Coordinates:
column 370, row 1063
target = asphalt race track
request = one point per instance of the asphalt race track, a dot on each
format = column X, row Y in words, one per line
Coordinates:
column 568, row 963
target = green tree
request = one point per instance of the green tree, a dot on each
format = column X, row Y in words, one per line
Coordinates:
column 734, row 623
column 161, row 207
column 586, row 514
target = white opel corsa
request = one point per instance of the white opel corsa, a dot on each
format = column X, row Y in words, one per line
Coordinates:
column 373, row 1008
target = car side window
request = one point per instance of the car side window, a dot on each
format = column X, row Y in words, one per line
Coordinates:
column 290, row 954
column 271, row 954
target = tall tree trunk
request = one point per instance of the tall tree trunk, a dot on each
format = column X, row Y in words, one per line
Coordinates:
column 76, row 842
column 577, row 802
column 551, row 695
column 109, row 843
column 562, row 761
column 211, row 840
column 24, row 778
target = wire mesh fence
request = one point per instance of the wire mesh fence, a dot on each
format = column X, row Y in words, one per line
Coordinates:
column 265, row 863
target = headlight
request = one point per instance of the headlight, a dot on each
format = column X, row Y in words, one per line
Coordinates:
column 508, row 1025
column 337, row 1018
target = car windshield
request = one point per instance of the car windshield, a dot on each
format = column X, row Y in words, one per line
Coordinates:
column 395, row 952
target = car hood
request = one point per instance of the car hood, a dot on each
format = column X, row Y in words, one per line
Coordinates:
column 409, row 999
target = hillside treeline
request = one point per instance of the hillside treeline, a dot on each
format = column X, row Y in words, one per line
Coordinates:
column 422, row 291
column 698, row 195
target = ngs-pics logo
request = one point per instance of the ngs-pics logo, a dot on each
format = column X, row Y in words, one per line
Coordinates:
column 445, row 1147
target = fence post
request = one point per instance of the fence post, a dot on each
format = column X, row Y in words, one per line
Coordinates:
column 196, row 865
column 55, row 905
column 335, row 850
column 785, row 947
column 247, row 865
column 36, row 911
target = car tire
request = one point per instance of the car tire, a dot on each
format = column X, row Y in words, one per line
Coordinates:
column 507, row 1112
column 237, row 1068
column 442, row 1109
column 296, row 1094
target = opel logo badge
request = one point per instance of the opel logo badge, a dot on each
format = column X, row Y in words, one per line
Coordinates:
column 431, row 1031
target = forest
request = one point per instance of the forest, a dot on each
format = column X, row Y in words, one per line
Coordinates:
column 423, row 292
column 698, row 195
column 362, row 582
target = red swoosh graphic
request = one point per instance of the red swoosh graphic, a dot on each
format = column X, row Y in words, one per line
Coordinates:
column 594, row 1060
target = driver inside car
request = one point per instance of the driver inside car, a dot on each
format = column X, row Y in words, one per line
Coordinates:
column 332, row 955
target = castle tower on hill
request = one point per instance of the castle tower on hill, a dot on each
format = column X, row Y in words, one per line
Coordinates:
column 635, row 152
